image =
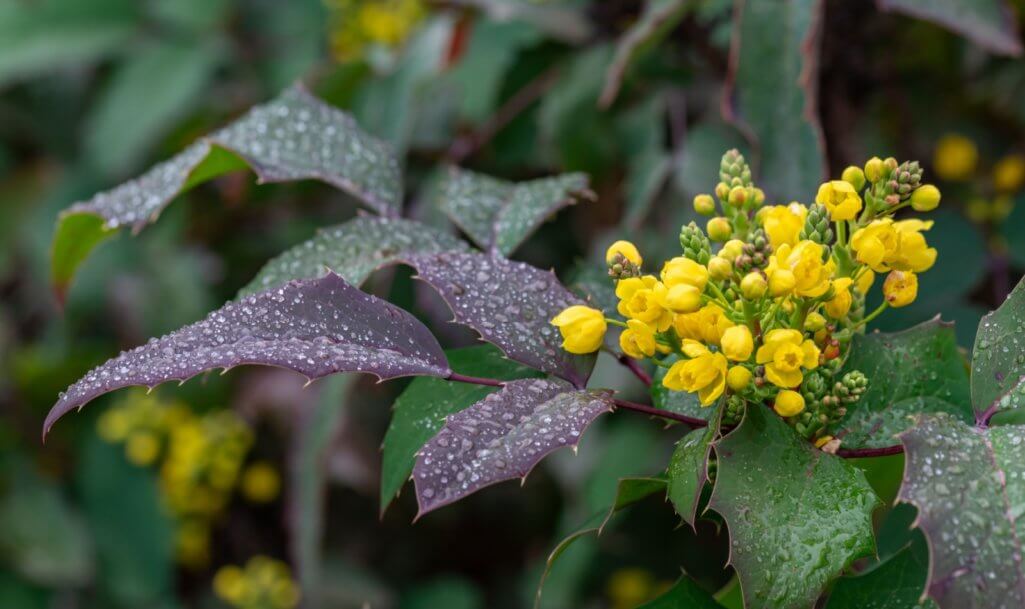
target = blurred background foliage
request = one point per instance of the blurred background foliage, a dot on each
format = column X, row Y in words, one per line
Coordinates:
column 247, row 490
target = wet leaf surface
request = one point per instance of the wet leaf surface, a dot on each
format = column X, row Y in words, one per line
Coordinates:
column 896, row 583
column 998, row 361
column 688, row 472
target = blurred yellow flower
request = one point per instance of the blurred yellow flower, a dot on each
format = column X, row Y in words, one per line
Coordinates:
column 261, row 482
column 955, row 157
column 1009, row 173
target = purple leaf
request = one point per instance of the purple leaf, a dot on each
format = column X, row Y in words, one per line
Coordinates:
column 315, row 327
column 510, row 304
column 502, row 437
column 988, row 23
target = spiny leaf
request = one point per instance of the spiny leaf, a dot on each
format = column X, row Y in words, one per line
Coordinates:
column 896, row 583
column 510, row 304
column 688, row 472
column 771, row 91
column 315, row 327
column 988, row 23
column 685, row 594
column 499, row 215
column 969, row 487
column 354, row 250
column 796, row 515
column 998, row 362
column 293, row 137
column 420, row 411
column 915, row 371
column 502, row 437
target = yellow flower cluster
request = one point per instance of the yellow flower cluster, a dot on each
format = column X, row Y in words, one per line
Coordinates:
column 358, row 25
column 782, row 296
column 956, row 159
column 264, row 583
column 200, row 460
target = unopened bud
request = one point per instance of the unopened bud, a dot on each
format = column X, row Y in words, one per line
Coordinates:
column 719, row 268
column 753, row 286
column 704, row 205
column 874, row 169
column 719, row 229
column 854, row 176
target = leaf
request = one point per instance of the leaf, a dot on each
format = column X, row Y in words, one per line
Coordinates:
column 353, row 250
column 788, row 503
column 314, row 431
column 314, row 327
column 147, row 94
column 688, row 472
column 771, row 92
column 510, row 304
column 502, row 437
column 699, row 156
column 445, row 591
column 293, row 137
column 968, row 485
column 988, row 23
column 563, row 22
column 658, row 18
column 896, row 583
column 592, row 282
column 998, row 361
column 685, row 594
column 420, row 411
column 490, row 53
column 680, row 402
column 914, row 371
column 629, row 491
column 499, row 215
column 648, row 160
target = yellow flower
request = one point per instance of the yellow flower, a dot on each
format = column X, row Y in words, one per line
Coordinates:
column 783, row 223
column 737, row 343
column 788, row 403
column 803, row 263
column 925, row 198
column 900, row 288
column 719, row 229
column 638, row 340
column 784, row 353
column 731, row 249
column 626, row 250
column 261, row 482
column 646, row 306
column 625, row 288
column 914, row 254
column 706, row 325
column 1009, row 173
column 854, row 176
column 955, row 157
column 230, row 584
column 684, row 270
column 680, row 298
column 885, row 245
column 582, row 328
column 142, row 448
column 814, row 322
column 719, row 268
column 840, row 304
column 704, row 373
column 738, row 378
column 753, row 286
column 864, row 281
column 840, row 198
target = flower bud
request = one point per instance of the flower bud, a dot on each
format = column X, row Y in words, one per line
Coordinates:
column 719, row 229
column 758, row 195
column 737, row 196
column 731, row 249
column 900, row 288
column 814, row 322
column 753, row 286
column 626, row 250
column 925, row 198
column 704, row 204
column 874, row 169
column 582, row 329
column 788, row 403
column 719, row 268
column 854, row 176
column 738, row 378
column 722, row 190
column 737, row 343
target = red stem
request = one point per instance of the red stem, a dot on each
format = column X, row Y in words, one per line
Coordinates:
column 475, row 380
column 634, row 367
column 859, row 453
column 656, row 412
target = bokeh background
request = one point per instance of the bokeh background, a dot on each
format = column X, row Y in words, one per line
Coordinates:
column 247, row 486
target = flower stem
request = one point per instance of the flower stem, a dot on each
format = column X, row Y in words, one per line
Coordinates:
column 871, row 315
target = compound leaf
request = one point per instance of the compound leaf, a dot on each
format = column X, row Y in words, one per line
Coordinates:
column 914, row 371
column 499, row 215
column 788, row 504
column 315, row 327
column 987, row 23
column 502, row 437
column 353, row 250
column 998, row 361
column 510, row 304
column 969, row 487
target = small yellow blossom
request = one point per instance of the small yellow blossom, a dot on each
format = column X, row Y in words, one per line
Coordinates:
column 704, row 204
column 874, row 169
column 681, row 298
column 719, row 229
column 753, row 286
column 864, row 281
column 706, row 325
column 955, row 157
column 626, row 250
column 704, row 373
column 738, row 378
column 638, row 339
column 731, row 249
column 788, row 403
column 684, row 270
column 900, row 288
column 925, row 198
column 783, row 354
column 884, row 245
column 814, row 322
column 719, row 268
column 737, row 343
column 840, row 199
column 142, row 448
column 582, row 328
column 799, row 269
column 1009, row 173
column 840, row 304
column 854, row 176
column 783, row 223
column 261, row 482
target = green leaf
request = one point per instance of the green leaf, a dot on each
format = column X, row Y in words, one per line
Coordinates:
column 641, row 130
column 314, row 431
column 448, row 592
column 998, row 361
column 420, row 411
column 915, row 371
column 896, row 583
column 771, row 91
column 499, row 215
column 76, row 236
column 353, row 250
column 987, row 23
column 797, row 516
column 42, row 537
column 490, row 53
column 48, row 34
column 688, row 472
column 293, row 137
column 658, row 18
column 680, row 402
column 684, row 594
column 968, row 485
column 20, row 594
column 629, row 492
column 147, row 94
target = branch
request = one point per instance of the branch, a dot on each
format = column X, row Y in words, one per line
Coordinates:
column 474, row 380
column 656, row 412
column 861, row 453
column 634, row 367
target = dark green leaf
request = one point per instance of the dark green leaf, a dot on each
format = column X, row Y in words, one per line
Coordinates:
column 641, row 131
column 771, row 91
column 447, row 592
column 688, row 472
column 684, row 594
column 987, row 23
column 968, row 485
column 491, row 51
column 998, row 362
column 897, row 583
column 420, row 411
column 698, row 168
column 911, row 372
column 797, row 516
